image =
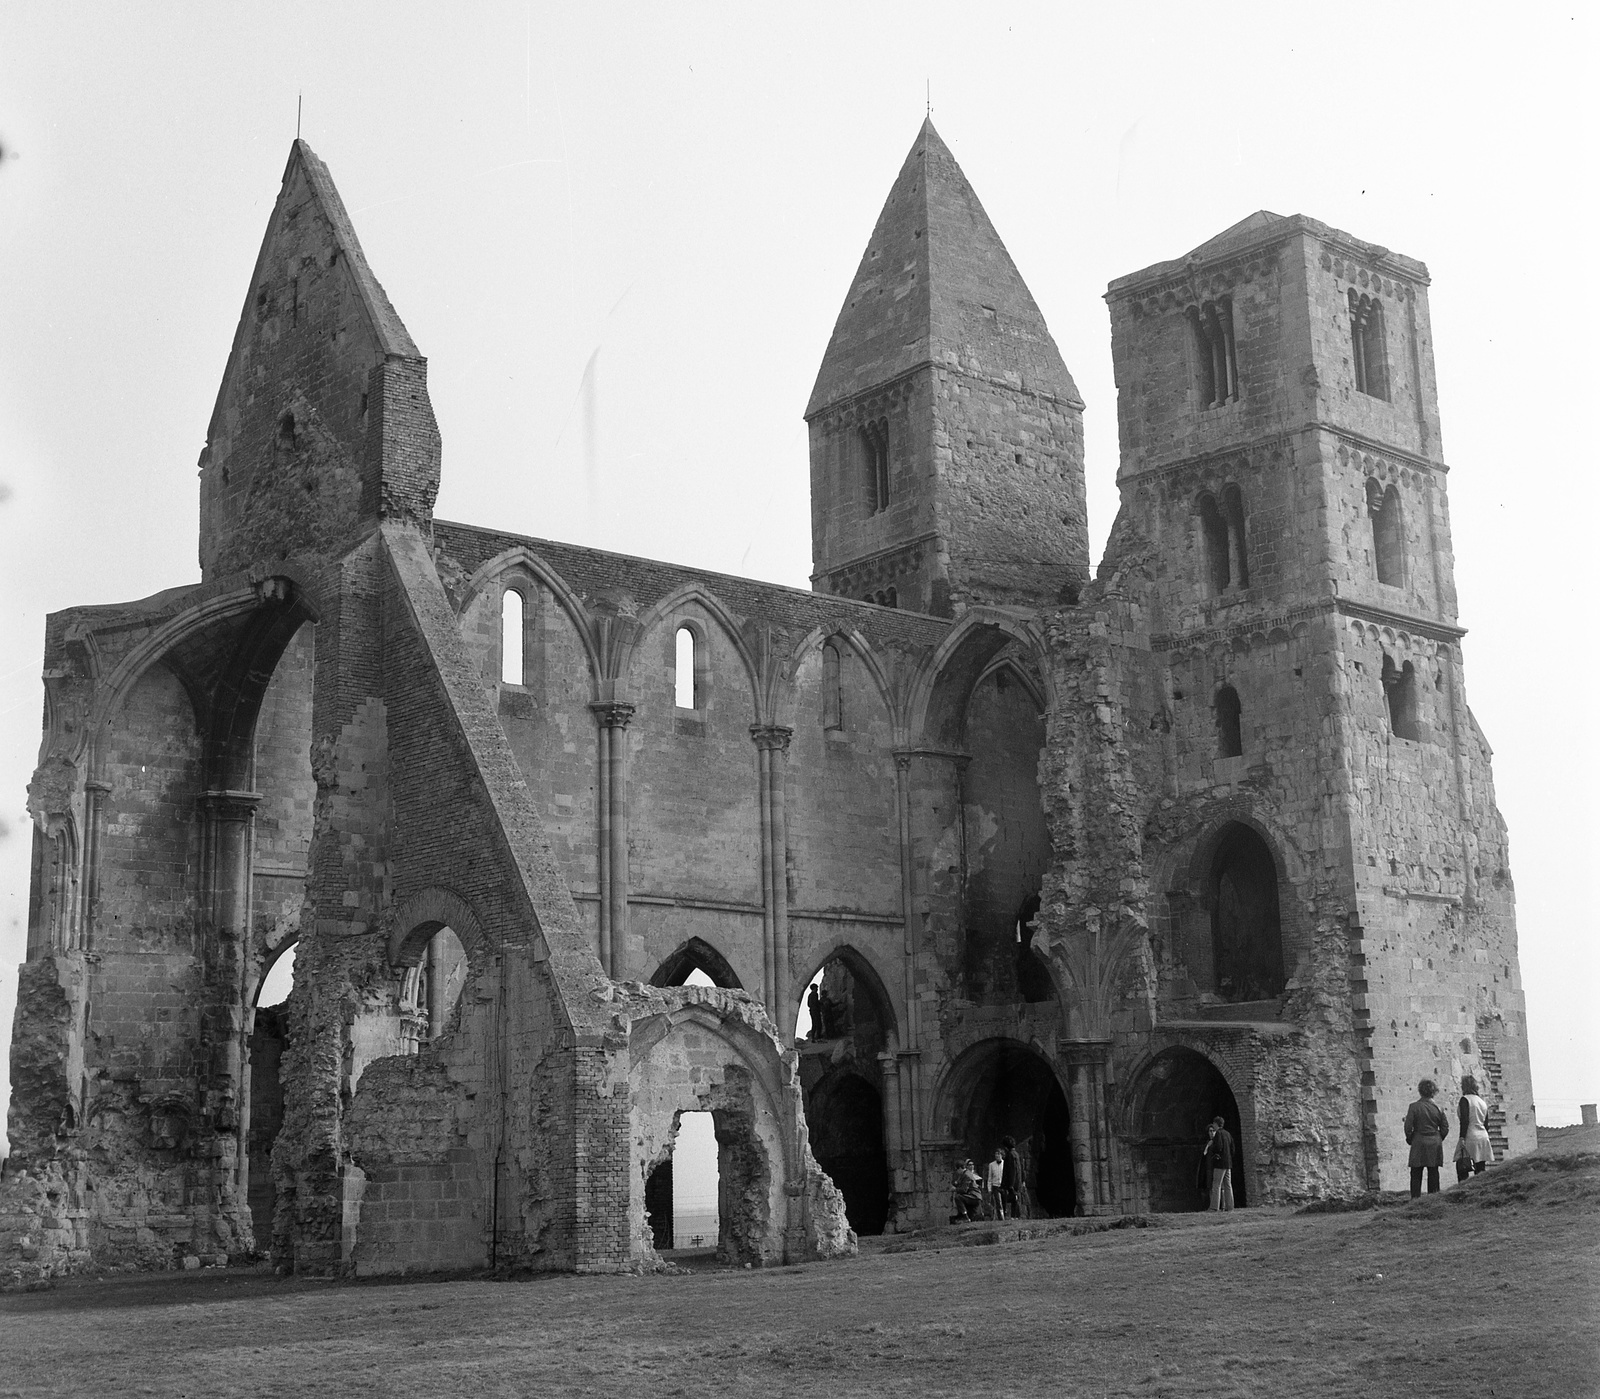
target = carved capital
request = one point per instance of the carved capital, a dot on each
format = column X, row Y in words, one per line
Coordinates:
column 772, row 736
column 612, row 714
column 230, row 806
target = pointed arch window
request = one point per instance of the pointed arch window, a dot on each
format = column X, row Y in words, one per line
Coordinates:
column 686, row 675
column 1368, row 346
column 1230, row 735
column 1388, row 533
column 875, row 454
column 832, row 698
column 512, row 612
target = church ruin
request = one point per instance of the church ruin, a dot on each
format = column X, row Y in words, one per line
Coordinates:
column 1081, row 857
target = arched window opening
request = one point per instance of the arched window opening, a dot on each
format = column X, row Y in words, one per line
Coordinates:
column 1217, row 572
column 891, row 597
column 841, row 1027
column 1388, row 533
column 696, row 963
column 1238, row 554
column 875, row 454
column 1368, row 345
column 1400, row 691
column 1176, row 1098
column 432, row 989
column 686, row 678
column 1246, row 932
column 832, row 697
column 511, row 610
column 1003, row 1091
column 1230, row 739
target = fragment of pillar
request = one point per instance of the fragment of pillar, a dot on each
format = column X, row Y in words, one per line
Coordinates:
column 772, row 750
column 1088, row 1129
column 613, row 717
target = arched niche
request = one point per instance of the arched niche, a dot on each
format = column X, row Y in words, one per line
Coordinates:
column 1172, row 1099
column 1246, row 921
column 1003, row 1088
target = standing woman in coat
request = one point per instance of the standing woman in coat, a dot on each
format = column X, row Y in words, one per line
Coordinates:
column 1475, row 1150
column 1426, row 1128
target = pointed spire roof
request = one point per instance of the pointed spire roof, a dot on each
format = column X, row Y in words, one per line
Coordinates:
column 1247, row 230
column 936, row 284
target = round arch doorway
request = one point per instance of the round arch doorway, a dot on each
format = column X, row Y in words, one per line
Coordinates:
column 1174, row 1098
column 1000, row 1089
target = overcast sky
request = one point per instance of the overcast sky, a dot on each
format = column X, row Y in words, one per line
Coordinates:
column 687, row 189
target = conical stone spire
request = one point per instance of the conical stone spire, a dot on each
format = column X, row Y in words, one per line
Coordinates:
column 941, row 353
column 322, row 424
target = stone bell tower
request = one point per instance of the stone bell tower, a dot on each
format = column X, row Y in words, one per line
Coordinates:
column 946, row 433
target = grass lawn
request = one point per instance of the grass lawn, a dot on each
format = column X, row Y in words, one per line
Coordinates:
column 1493, row 1289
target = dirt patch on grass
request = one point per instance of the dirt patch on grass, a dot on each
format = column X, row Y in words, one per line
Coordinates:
column 1252, row 1303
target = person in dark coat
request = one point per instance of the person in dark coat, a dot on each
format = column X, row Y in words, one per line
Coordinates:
column 1219, row 1157
column 1427, row 1125
column 1011, row 1177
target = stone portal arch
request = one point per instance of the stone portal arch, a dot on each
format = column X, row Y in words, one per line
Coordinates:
column 1004, row 1088
column 1171, row 1100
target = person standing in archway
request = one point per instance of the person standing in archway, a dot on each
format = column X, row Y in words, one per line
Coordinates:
column 1219, row 1156
column 1011, row 1177
column 1426, row 1128
column 994, row 1176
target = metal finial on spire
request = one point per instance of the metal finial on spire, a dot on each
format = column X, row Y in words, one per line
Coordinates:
column 930, row 96
column 299, row 98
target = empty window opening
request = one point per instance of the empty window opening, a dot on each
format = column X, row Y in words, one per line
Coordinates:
column 686, row 685
column 1388, row 533
column 841, row 1028
column 511, row 610
column 696, row 963
column 1246, row 932
column 832, row 697
column 431, row 990
column 1400, row 690
column 1216, row 364
column 1230, row 741
column 1368, row 351
column 278, row 982
column 875, row 453
column 286, row 432
column 1178, row 1096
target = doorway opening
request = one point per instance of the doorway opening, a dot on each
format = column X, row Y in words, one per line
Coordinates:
column 1176, row 1097
column 1004, row 1089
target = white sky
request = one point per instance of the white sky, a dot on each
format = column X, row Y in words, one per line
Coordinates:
column 688, row 188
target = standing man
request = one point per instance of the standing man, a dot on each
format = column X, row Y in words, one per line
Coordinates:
column 1219, row 1156
column 994, row 1176
column 1011, row 1177
column 1426, row 1128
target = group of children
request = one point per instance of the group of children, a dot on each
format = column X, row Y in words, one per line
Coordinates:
column 996, row 1194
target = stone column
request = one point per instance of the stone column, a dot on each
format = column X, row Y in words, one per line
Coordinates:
column 772, row 748
column 1089, row 1129
column 613, row 716
column 229, row 857
column 932, row 868
column 94, row 795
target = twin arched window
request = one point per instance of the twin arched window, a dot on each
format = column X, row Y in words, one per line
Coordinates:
column 1216, row 363
column 1226, row 561
column 875, row 452
column 1368, row 353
